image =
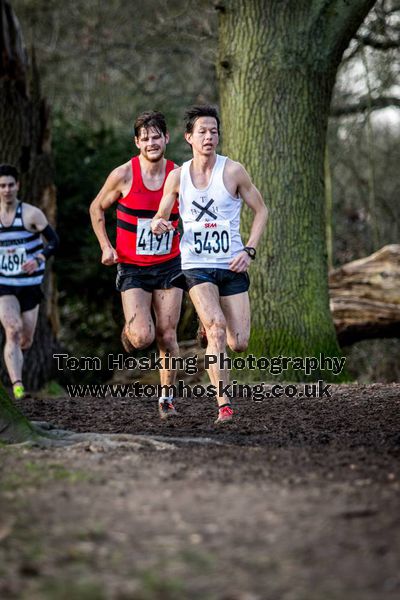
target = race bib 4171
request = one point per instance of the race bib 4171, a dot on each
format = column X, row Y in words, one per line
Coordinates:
column 149, row 243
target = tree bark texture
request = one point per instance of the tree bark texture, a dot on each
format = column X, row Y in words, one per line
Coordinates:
column 14, row 427
column 276, row 68
column 25, row 142
column 365, row 297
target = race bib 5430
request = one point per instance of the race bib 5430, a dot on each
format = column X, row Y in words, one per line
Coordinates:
column 211, row 239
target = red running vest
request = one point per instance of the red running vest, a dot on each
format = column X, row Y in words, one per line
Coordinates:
column 142, row 203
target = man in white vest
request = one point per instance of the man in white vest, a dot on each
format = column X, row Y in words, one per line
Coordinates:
column 215, row 261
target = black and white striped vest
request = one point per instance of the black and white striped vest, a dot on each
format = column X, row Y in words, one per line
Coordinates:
column 17, row 245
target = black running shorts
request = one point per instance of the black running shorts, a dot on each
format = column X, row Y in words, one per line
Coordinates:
column 228, row 282
column 154, row 277
column 28, row 296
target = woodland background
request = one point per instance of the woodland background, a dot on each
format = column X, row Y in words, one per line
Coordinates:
column 100, row 64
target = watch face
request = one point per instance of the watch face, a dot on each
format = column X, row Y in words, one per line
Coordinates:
column 251, row 252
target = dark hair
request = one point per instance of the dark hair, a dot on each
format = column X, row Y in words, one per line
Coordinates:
column 9, row 171
column 194, row 112
column 149, row 119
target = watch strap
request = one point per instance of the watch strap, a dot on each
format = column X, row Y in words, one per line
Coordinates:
column 250, row 251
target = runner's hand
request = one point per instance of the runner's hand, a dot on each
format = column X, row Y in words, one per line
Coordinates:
column 240, row 263
column 109, row 256
column 30, row 266
column 159, row 226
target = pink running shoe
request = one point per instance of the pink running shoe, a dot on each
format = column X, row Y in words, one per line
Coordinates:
column 225, row 413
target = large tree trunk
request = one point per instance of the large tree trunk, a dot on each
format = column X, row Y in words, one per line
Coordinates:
column 365, row 297
column 25, row 142
column 276, row 68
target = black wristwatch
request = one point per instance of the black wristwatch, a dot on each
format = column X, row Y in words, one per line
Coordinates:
column 39, row 261
column 250, row 251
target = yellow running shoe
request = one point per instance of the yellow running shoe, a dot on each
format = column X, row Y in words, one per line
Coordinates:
column 18, row 390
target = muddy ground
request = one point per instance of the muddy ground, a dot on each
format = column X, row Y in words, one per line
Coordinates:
column 295, row 500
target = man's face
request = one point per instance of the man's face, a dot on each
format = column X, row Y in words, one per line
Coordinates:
column 204, row 137
column 152, row 144
column 8, row 189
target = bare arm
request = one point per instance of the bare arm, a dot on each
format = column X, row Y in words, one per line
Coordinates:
column 34, row 220
column 160, row 222
column 252, row 197
column 109, row 193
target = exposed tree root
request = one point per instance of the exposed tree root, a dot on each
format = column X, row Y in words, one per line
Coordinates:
column 46, row 435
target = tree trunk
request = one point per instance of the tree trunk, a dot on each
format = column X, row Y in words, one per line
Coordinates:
column 365, row 297
column 25, row 142
column 276, row 69
column 14, row 427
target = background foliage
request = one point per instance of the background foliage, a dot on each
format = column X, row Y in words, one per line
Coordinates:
column 102, row 63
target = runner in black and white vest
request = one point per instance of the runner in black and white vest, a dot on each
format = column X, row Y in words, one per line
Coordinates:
column 215, row 261
column 22, row 266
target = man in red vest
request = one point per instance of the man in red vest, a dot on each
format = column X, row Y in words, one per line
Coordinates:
column 146, row 262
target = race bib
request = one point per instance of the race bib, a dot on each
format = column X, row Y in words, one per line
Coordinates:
column 11, row 260
column 149, row 243
column 211, row 239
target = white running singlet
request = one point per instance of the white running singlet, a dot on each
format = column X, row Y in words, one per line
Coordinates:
column 211, row 221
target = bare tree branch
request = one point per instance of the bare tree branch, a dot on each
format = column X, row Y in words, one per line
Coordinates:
column 339, row 19
column 363, row 104
column 385, row 44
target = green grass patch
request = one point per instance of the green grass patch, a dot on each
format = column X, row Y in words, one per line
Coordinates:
column 155, row 586
column 35, row 474
column 66, row 590
column 52, row 389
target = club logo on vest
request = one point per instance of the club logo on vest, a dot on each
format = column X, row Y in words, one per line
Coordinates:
column 205, row 210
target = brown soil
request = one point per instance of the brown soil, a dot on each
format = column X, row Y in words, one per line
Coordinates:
column 295, row 500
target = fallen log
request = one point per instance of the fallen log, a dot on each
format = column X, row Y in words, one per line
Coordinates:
column 365, row 297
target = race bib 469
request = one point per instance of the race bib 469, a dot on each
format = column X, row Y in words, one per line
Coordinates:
column 11, row 260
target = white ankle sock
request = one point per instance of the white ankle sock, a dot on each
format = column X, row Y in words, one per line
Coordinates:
column 163, row 399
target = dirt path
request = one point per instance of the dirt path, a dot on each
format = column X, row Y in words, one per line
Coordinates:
column 295, row 500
